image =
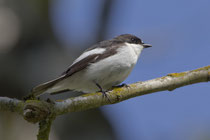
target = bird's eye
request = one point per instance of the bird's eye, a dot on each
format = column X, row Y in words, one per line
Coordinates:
column 135, row 40
column 132, row 39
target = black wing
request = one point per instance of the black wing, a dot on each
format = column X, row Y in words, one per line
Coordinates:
column 80, row 65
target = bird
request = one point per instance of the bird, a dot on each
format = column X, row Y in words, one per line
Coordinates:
column 99, row 68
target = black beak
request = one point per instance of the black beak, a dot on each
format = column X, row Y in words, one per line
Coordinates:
column 147, row 45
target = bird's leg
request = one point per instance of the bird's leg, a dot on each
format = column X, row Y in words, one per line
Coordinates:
column 103, row 92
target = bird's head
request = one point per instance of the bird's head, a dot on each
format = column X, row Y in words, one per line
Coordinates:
column 131, row 39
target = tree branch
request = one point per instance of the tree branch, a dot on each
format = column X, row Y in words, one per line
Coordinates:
column 169, row 82
column 45, row 112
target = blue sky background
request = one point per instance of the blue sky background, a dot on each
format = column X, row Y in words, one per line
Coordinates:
column 180, row 34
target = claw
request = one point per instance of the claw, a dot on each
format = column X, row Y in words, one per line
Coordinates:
column 104, row 94
column 122, row 85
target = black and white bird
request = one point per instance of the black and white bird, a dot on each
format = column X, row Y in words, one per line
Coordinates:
column 99, row 68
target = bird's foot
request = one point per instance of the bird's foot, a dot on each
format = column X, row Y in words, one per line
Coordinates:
column 104, row 93
column 122, row 85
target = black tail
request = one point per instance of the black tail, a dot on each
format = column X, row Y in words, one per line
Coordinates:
column 40, row 89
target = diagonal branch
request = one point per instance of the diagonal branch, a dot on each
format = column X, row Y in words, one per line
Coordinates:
column 45, row 112
column 36, row 111
column 169, row 82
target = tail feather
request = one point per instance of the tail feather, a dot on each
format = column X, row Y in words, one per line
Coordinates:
column 40, row 89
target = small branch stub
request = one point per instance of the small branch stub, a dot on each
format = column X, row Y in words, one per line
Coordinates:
column 36, row 111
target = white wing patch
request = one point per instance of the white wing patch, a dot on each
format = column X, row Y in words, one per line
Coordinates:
column 91, row 52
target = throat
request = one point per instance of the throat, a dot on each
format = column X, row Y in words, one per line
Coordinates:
column 136, row 48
